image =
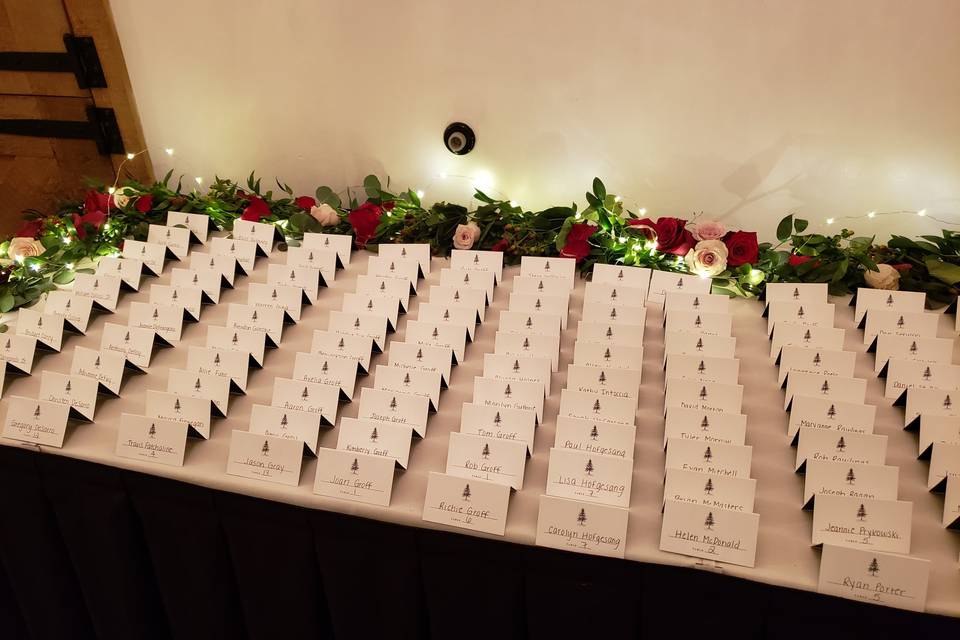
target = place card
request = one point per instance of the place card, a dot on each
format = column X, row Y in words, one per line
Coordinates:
column 705, row 532
column 609, row 332
column 825, row 444
column 208, row 280
column 128, row 269
column 105, row 367
column 151, row 439
column 165, row 321
column 636, row 277
column 325, row 262
column 265, row 320
column 36, row 421
column 937, row 428
column 226, row 265
column 175, row 239
column 407, row 269
column 705, row 426
column 490, row 459
column 613, row 313
column 377, row 439
column 369, row 325
column 786, row 334
column 725, row 460
column 18, row 353
column 820, row 386
column 540, row 286
column 188, row 298
column 345, row 346
column 289, row 424
column 374, row 304
column 135, row 343
column 572, row 525
column 868, row 576
column 711, row 324
column 703, row 368
column 466, row 504
column 695, row 303
column 153, row 255
column 871, row 481
column 805, row 292
column 386, row 287
column 608, row 356
column 193, row 384
column 74, row 309
column 807, row 314
column 354, row 476
column 687, row 343
column 663, row 282
column 815, row 361
column 450, row 336
column 499, row 422
column 405, row 251
column 248, row 341
column 710, row 490
column 867, row 299
column 928, row 350
column 193, row 412
column 339, row 372
column 461, row 259
column 474, row 298
column 395, row 408
column 529, row 323
column 944, row 463
column 593, row 436
column 509, row 394
column 75, row 391
column 243, row 251
column 320, row 399
column 262, row 233
column 878, row 322
column 199, row 224
column 469, row 279
column 261, row 457
column 102, row 289
column 502, row 366
column 613, row 294
column 276, row 296
column 521, row 345
column 563, row 268
column 926, row 402
column 877, row 525
column 454, row 314
column 423, row 357
column 951, row 504
column 224, row 363
column 907, row 374
column 604, row 382
column 715, row 397
column 535, row 304
column 830, row 414
column 45, row 328
column 421, row 383
column 591, row 477
column 340, row 243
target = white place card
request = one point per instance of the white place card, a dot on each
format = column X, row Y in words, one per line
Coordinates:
column 529, row 346
column 500, row 366
column 135, row 343
column 189, row 298
column 944, row 463
column 787, row 334
column 261, row 457
column 572, row 525
column 266, row 320
column 102, row 289
column 208, row 280
column 540, row 286
column 276, row 296
column 377, row 439
column 405, row 251
column 908, row 374
column 18, row 352
column 807, row 314
column 490, row 459
column 951, row 504
column 936, row 428
column 354, row 476
column 105, row 367
column 264, row 234
column 193, row 384
column 871, row 481
column 725, row 460
column 193, row 412
column 474, row 298
column 867, row 299
column 499, row 422
column 153, row 255
column 478, row 260
column 289, row 424
column 244, row 252
column 878, row 322
column 450, row 336
column 509, row 394
column 175, row 239
column 323, row 261
column 341, row 244
column 218, row 361
column 663, row 282
column 832, row 414
column 879, row 578
column 604, row 382
column 610, row 332
column 703, row 368
column 385, row 287
column 45, row 328
column 151, row 440
column 710, row 490
column 529, row 323
column 423, row 357
column 338, row 372
column 613, row 294
column 415, row 381
column 466, row 503
column 395, row 408
column 75, row 391
column 36, row 421
column 591, row 477
column 820, row 386
column 407, row 269
column 608, row 356
column 369, row 325
column 704, row 532
column 74, row 309
column 346, row 346
column 199, row 224
column 928, row 350
column 469, row 279
column 613, row 313
column 824, row 444
column 805, row 292
column 816, row 361
column 695, row 302
column 636, row 277
column 594, row 436
column 876, row 525
column 453, row 314
column 373, row 304
column 312, row 397
column 164, row 320
column 563, row 268
column 715, row 397
column 926, row 402
column 711, row 324
column 128, row 269
column 705, row 426
column 248, row 341
column 687, row 343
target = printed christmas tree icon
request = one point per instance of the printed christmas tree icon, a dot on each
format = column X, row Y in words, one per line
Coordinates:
column 216, row 359
column 913, row 348
column 36, row 412
column 507, row 392
column 212, row 262
column 582, row 517
column 540, row 286
column 254, row 316
column 613, row 313
column 369, row 305
column 435, row 333
column 589, row 468
column 40, row 321
column 680, row 283
column 620, row 275
column 305, row 394
column 68, row 304
column 196, row 279
column 861, row 512
column 704, row 424
column 340, row 344
column 594, row 434
column 698, row 322
column 234, row 339
column 96, row 362
column 825, row 387
column 126, row 338
column 699, row 344
column 392, row 266
column 537, row 304
column 900, row 322
column 486, row 451
column 947, row 403
column 526, row 343
column 546, row 266
column 466, row 277
column 926, row 373
column 466, row 493
column 708, row 488
column 153, row 430
column 356, row 325
column 419, row 354
column 613, row 294
column 325, row 367
column 890, row 300
column 374, row 435
column 406, row 380
column 283, row 422
column 873, row 569
column 609, row 332
column 265, row 449
column 709, row 522
column 596, row 405
column 851, row 477
column 176, row 405
column 354, row 466
column 476, row 259
column 696, row 302
column 96, row 284
column 196, row 385
column 806, row 335
column 69, row 387
column 816, row 359
column 293, row 275
column 446, row 314
column 606, row 354
column 602, row 378
column 529, row 322
column 701, row 367
column 708, row 454
column 831, row 412
column 841, row 444
column 403, row 252
column 796, row 293
column 497, row 419
column 393, row 403
column 383, row 286
column 703, row 393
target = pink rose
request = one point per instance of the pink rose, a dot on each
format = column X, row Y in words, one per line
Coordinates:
column 708, row 230
column 466, row 235
column 707, row 259
column 20, row 248
column 325, row 215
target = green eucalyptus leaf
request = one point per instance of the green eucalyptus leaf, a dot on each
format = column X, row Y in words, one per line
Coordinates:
column 943, row 271
column 7, row 301
column 64, row 277
column 784, row 228
column 800, row 225
column 371, row 184
column 599, row 190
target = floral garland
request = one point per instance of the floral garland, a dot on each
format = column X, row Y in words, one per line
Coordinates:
column 49, row 249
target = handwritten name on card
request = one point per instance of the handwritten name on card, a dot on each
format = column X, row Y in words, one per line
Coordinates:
column 189, row 298
column 36, row 421
column 712, row 324
column 608, row 356
column 604, row 381
column 490, row 459
column 474, row 298
column 128, row 269
column 563, row 268
column 809, row 314
column 816, row 361
column 480, row 260
column 354, row 476
column 531, row 303
column 908, row 374
column 164, row 320
column 262, row 233
column 244, row 252
column 45, row 328
column 529, row 323
column 716, row 397
column 136, row 343
column 102, row 289
column 151, row 440
column 540, row 286
column 613, row 294
column 405, row 269
column 917, row 324
column 831, row 414
column 325, row 262
column 498, row 422
column 594, row 436
column 340, row 243
column 637, row 277
column 662, row 282
column 509, row 394
column 374, row 304
column 877, row 525
column 289, row 299
column 854, row 480
column 18, row 352
column 385, row 287
column 289, row 424
column 592, row 477
column 266, row 320
column 705, row 426
column 248, row 341
column 927, row 350
column 593, row 406
column 423, row 357
column 105, row 367
column 582, row 527
column 710, row 490
column 193, row 412
column 74, row 391
column 339, row 372
column 469, row 279
column 696, row 344
column 466, row 503
column 501, row 366
column 395, row 408
column 371, row 325
column 345, row 346
column 450, row 336
column 704, row 532
column 375, row 438
column 726, row 460
column 868, row 576
column 207, row 280
column 217, row 361
column 610, row 332
column 823, row 444
column 805, row 292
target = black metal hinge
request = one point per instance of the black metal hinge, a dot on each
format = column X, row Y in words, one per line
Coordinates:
column 80, row 59
column 100, row 126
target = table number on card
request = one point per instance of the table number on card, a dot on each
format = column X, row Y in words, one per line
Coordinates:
column 175, row 239
column 877, row 525
column 354, row 476
column 151, row 440
column 261, row 457
column 377, row 439
column 74, row 309
column 592, row 477
column 36, row 421
column 466, row 503
column 582, row 527
column 704, row 532
column 496, row 422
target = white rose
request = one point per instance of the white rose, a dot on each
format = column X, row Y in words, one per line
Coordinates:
column 886, row 277
column 707, row 259
column 466, row 235
column 325, row 214
column 121, row 197
column 24, row 248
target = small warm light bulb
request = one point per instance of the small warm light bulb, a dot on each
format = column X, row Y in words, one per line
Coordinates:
column 169, row 151
column 643, row 211
column 623, row 239
column 922, row 212
column 617, row 199
column 637, row 247
column 651, row 245
column 199, row 180
column 67, row 240
column 69, row 266
column 830, row 220
column 419, row 193
column 18, row 259
column 131, row 156
column 115, row 254
column 872, row 214
column 577, row 215
column 513, row 203
column 111, row 190
column 106, row 227
column 35, row 266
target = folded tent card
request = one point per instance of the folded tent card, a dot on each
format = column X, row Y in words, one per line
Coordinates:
column 129, row 270
column 74, row 309
column 243, row 251
column 341, row 244
column 175, row 239
column 225, row 265
column 45, row 328
column 323, row 260
column 152, row 255
column 461, row 296
column 478, row 261
column 358, row 348
column 264, row 235
column 190, row 298
column 199, row 224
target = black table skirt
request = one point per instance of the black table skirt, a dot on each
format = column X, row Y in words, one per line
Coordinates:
column 90, row 551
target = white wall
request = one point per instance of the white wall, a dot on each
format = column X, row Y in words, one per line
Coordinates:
column 742, row 109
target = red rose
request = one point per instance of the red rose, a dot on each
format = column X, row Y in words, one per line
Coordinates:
column 903, row 266
column 672, row 234
column 500, row 245
column 364, row 220
column 30, row 228
column 94, row 219
column 305, row 202
column 796, row 260
column 577, row 245
column 388, row 205
column 742, row 247
column 256, row 210
column 144, row 203
column 96, row 201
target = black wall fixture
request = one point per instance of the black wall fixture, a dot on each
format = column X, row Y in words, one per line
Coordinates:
column 459, row 138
